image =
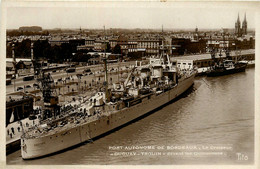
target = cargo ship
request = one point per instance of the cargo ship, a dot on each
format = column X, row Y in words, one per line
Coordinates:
column 146, row 88
column 227, row 67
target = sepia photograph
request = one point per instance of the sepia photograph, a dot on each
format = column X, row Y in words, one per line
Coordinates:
column 129, row 83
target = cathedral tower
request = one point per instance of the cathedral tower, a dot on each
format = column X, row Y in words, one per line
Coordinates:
column 238, row 27
column 244, row 26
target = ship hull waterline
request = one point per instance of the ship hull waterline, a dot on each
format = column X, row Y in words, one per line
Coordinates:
column 47, row 145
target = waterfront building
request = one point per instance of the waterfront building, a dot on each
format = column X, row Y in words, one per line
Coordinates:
column 185, row 64
column 58, row 41
column 89, row 43
column 132, row 45
column 82, row 47
column 151, row 45
column 98, row 45
column 123, row 42
column 77, row 42
column 113, row 42
column 20, row 64
column 18, row 107
column 179, row 45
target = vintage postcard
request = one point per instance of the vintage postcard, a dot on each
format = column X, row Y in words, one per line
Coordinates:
column 149, row 83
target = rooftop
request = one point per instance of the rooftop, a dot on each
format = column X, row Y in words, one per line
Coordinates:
column 208, row 56
column 18, row 59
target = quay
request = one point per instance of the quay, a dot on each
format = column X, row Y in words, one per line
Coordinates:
column 14, row 132
column 204, row 61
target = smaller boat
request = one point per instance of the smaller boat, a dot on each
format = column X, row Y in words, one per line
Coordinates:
column 227, row 67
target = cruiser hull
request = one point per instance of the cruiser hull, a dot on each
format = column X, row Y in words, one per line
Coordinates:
column 45, row 145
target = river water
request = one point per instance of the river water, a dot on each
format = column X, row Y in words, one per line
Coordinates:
column 211, row 124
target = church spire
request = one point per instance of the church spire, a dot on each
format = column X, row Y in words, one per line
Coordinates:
column 245, row 17
column 238, row 19
column 238, row 26
column 244, row 26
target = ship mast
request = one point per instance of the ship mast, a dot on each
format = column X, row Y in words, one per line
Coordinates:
column 105, row 64
column 226, row 47
column 14, row 59
column 50, row 106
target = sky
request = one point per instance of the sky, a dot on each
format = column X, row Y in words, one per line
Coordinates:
column 151, row 15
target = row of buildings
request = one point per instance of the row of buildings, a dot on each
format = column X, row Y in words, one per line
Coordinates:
column 150, row 43
column 177, row 44
column 127, row 45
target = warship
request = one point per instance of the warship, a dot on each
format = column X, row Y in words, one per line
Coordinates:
column 147, row 87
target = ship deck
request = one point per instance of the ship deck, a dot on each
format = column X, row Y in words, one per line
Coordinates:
column 73, row 120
